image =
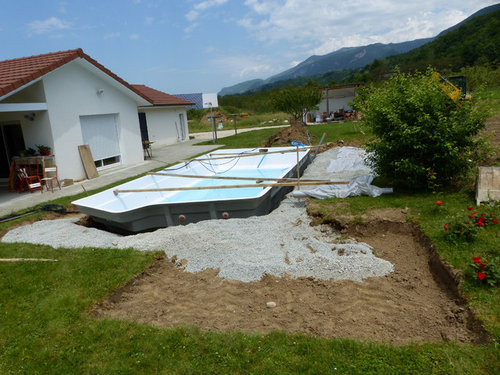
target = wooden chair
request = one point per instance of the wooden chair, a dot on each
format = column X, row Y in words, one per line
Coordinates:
column 51, row 176
column 32, row 182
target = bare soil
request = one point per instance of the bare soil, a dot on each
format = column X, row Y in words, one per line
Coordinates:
column 419, row 302
column 492, row 133
column 294, row 132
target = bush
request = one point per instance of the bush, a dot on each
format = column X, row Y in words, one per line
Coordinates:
column 424, row 139
column 196, row 114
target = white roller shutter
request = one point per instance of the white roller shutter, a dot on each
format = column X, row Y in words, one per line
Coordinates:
column 101, row 134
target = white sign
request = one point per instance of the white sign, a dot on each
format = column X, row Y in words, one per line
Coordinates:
column 209, row 100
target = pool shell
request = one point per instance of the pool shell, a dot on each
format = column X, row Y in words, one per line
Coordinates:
column 133, row 212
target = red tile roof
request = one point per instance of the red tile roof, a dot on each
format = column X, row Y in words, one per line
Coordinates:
column 16, row 73
column 160, row 98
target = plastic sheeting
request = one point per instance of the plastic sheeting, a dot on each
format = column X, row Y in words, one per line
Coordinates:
column 342, row 164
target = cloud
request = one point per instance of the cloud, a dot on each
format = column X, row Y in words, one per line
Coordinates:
column 331, row 24
column 46, row 26
column 111, row 35
column 198, row 8
column 191, row 27
column 149, row 20
column 244, row 67
column 134, row 36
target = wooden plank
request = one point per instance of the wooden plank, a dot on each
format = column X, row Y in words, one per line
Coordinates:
column 10, row 260
column 183, row 188
column 241, row 155
column 88, row 161
column 216, row 177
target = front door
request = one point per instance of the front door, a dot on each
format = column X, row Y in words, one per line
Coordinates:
column 144, row 127
column 11, row 143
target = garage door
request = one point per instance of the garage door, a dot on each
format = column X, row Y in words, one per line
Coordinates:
column 100, row 132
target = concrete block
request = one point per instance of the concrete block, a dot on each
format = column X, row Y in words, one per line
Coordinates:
column 487, row 184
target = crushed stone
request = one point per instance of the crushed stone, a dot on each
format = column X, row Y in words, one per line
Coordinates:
column 282, row 243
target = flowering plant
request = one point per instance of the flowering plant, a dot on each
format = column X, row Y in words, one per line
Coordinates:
column 466, row 227
column 486, row 270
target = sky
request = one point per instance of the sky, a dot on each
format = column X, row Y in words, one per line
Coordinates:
column 189, row 46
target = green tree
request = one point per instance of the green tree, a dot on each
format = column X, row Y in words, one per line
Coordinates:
column 423, row 138
column 297, row 101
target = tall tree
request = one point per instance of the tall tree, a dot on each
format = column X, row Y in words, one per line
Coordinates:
column 297, row 101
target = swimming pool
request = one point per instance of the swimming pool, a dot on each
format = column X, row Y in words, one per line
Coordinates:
column 199, row 189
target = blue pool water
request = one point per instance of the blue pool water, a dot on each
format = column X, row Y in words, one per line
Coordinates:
column 227, row 194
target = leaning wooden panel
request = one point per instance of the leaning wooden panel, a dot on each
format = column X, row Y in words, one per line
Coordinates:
column 88, row 161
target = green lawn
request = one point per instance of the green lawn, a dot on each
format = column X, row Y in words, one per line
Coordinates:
column 346, row 131
column 252, row 121
column 46, row 328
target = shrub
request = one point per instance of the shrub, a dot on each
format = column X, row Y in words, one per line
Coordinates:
column 486, row 270
column 424, row 139
column 466, row 226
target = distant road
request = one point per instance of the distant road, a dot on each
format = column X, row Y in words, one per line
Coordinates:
column 228, row 132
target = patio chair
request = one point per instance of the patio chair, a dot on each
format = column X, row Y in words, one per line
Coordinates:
column 32, row 182
column 51, row 176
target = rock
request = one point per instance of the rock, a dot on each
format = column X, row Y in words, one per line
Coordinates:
column 270, row 304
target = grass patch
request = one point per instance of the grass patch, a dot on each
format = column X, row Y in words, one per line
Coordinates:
column 349, row 132
column 252, row 121
column 46, row 329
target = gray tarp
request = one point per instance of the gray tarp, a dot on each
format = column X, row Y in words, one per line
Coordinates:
column 342, row 164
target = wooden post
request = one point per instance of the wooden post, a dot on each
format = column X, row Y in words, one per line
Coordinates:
column 298, row 169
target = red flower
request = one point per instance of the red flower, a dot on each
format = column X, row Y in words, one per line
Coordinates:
column 477, row 259
column 470, row 217
column 475, row 212
column 445, row 227
column 481, row 276
column 482, row 266
column 480, row 223
column 470, row 208
column 439, row 203
column 495, row 220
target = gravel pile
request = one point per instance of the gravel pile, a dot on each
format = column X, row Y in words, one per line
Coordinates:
column 281, row 243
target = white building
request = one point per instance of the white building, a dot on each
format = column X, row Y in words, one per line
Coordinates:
column 335, row 102
column 66, row 99
column 165, row 121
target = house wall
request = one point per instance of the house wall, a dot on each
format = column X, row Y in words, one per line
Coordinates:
column 32, row 94
column 164, row 125
column 71, row 92
column 334, row 104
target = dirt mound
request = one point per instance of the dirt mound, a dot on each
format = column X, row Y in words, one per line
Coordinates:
column 285, row 136
column 492, row 133
column 418, row 302
column 220, row 116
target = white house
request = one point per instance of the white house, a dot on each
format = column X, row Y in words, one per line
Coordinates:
column 66, row 99
column 335, row 102
column 165, row 120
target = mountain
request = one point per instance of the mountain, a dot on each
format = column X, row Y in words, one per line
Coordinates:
column 475, row 42
column 491, row 8
column 243, row 87
column 344, row 59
